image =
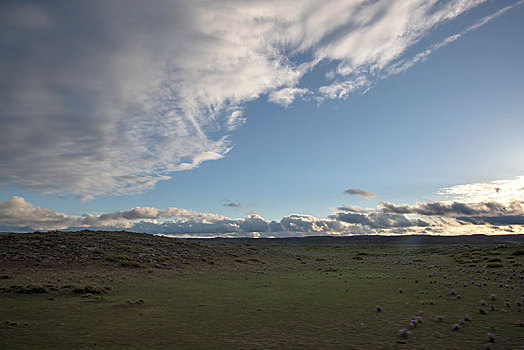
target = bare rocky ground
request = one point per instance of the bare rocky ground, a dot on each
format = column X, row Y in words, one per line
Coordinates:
column 89, row 262
column 112, row 249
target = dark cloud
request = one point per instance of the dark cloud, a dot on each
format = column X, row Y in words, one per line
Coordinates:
column 232, row 204
column 362, row 193
column 377, row 219
column 454, row 209
column 275, row 226
column 352, row 209
column 482, row 213
column 502, row 220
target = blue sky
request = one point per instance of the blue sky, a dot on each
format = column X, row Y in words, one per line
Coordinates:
column 208, row 125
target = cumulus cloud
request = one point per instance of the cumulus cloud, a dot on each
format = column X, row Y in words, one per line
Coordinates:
column 448, row 217
column 494, row 213
column 297, row 224
column 16, row 214
column 219, row 226
column 361, row 193
column 374, row 219
column 100, row 98
column 308, row 223
column 251, row 224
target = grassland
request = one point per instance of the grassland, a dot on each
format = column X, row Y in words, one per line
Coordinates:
column 121, row 290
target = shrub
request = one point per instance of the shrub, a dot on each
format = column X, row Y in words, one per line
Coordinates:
column 404, row 332
column 116, row 258
column 91, row 290
column 29, row 289
column 130, row 263
column 494, row 265
column 491, row 337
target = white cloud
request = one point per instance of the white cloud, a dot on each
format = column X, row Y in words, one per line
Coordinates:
column 310, row 224
column 101, row 98
column 285, row 96
column 235, row 120
column 404, row 64
column 16, row 214
column 345, row 88
column 503, row 191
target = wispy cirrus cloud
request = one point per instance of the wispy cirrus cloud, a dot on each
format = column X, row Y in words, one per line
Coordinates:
column 286, row 96
column 404, row 64
column 97, row 98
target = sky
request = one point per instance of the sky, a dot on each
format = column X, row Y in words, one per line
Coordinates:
column 262, row 118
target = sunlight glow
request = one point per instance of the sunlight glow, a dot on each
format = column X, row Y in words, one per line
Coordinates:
column 503, row 191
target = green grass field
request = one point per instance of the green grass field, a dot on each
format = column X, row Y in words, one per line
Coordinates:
column 263, row 297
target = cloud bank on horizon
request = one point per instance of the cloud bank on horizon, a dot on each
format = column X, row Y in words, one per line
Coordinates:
column 99, row 98
column 435, row 217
